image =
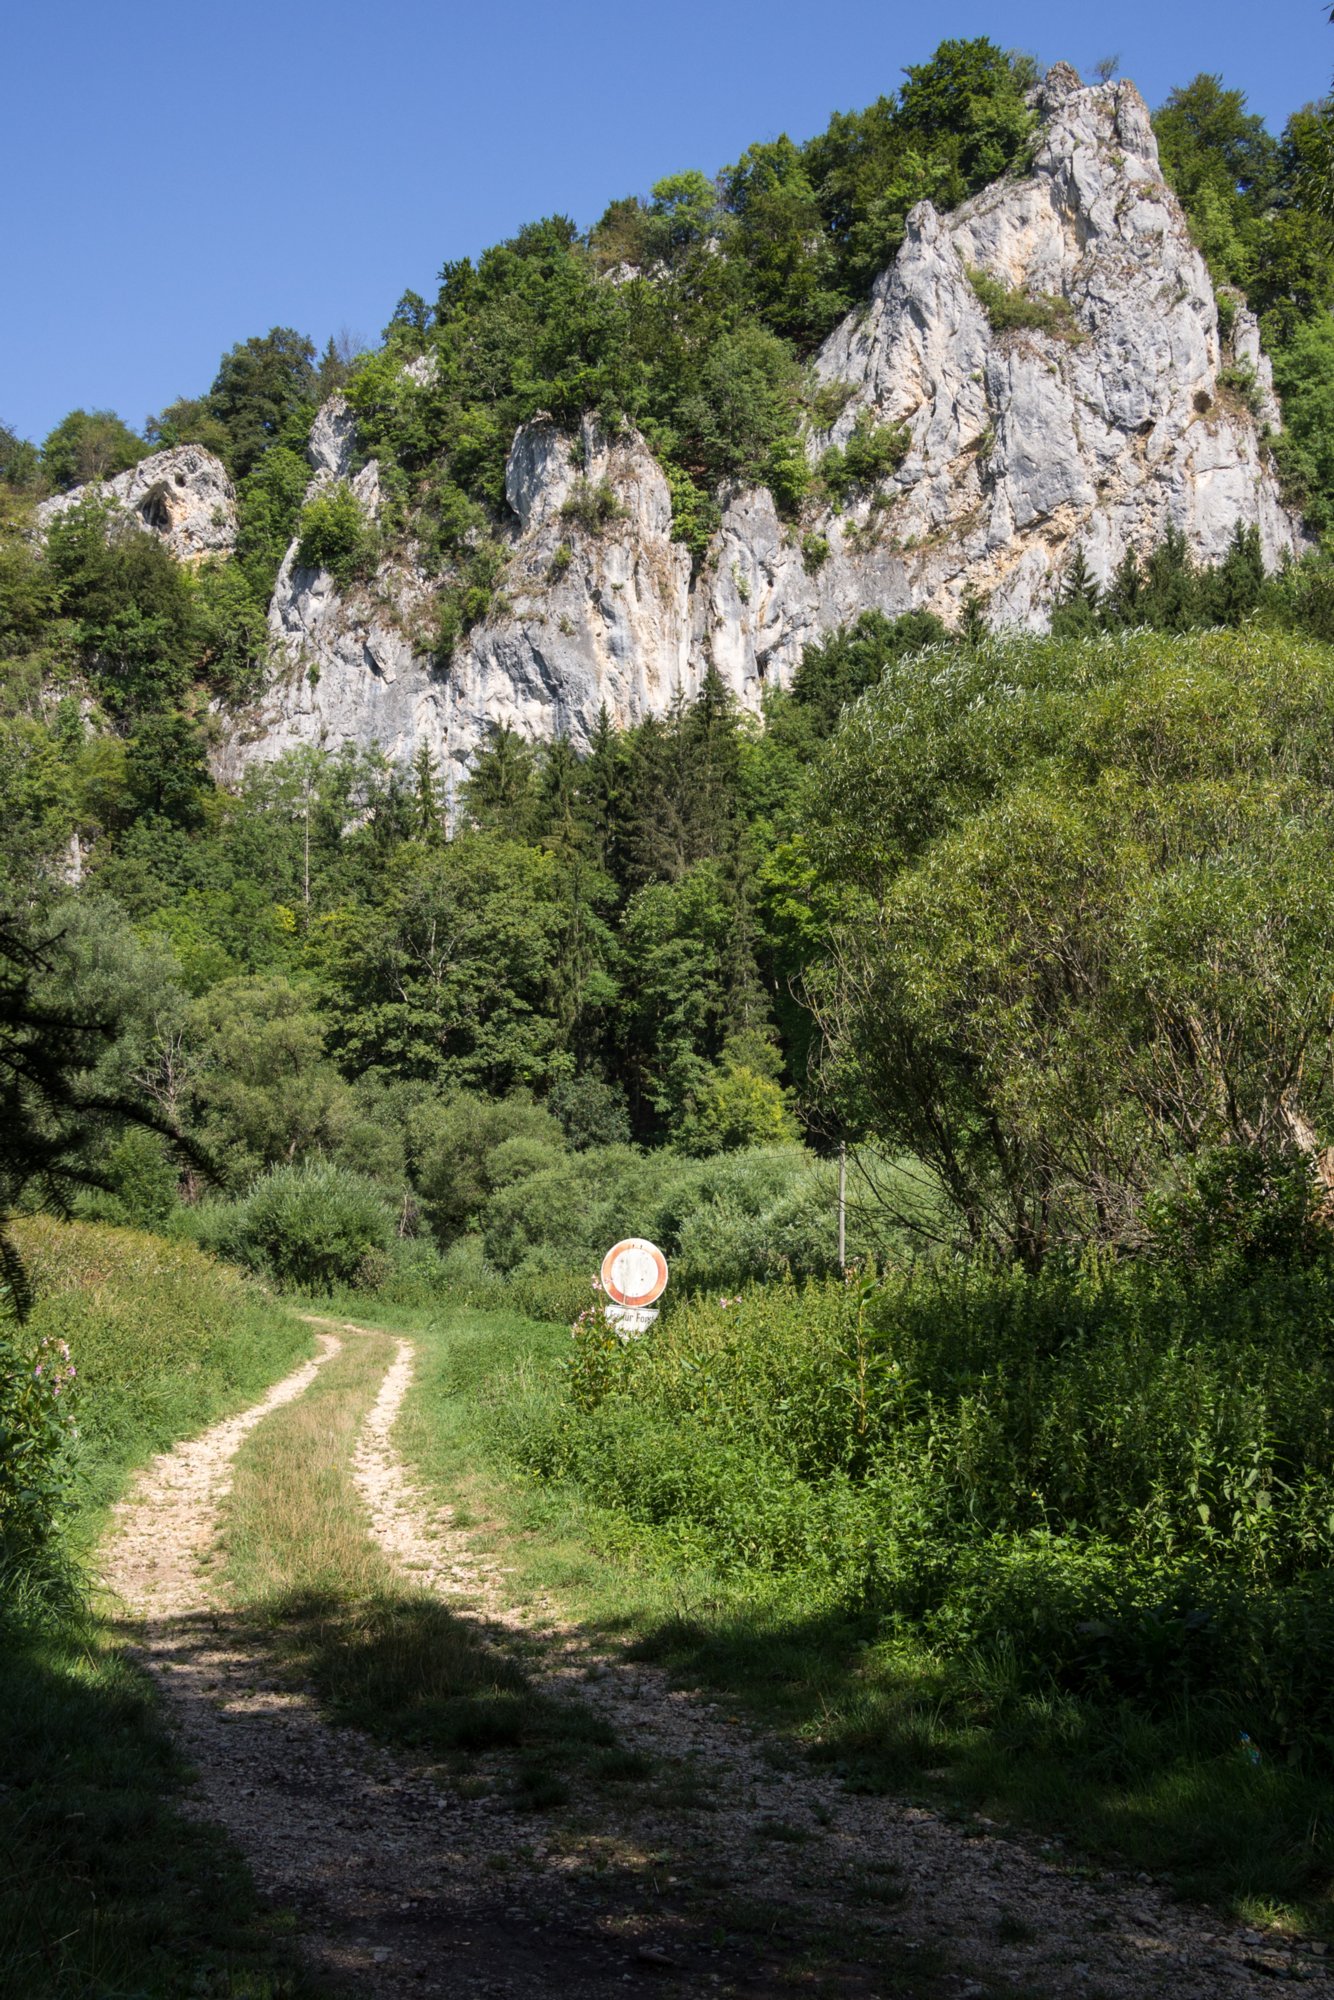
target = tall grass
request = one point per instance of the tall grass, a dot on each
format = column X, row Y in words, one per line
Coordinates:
column 1058, row 1541
column 165, row 1340
column 106, row 1887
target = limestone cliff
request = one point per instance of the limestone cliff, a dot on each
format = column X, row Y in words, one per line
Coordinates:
column 182, row 495
column 1100, row 423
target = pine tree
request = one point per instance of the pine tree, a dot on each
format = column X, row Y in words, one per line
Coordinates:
column 603, row 795
column 1123, row 605
column 973, row 627
column 710, row 771
column 428, row 817
column 1231, row 592
column 501, row 793
column 1170, row 598
column 657, row 837
column 1077, row 600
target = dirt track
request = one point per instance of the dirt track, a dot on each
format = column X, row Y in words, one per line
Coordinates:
column 732, row 1871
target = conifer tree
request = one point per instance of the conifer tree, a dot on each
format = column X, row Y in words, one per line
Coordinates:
column 427, row 816
column 1122, row 606
column 1077, row 600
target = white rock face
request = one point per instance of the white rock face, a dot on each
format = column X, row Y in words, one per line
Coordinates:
column 598, row 612
column 595, row 612
column 1098, row 429
column 333, row 439
column 182, row 495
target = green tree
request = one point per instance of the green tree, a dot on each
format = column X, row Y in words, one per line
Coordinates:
column 261, row 384
column 262, row 1091
column 735, row 1107
column 89, row 444
column 20, row 461
column 59, row 1103
column 686, row 989
column 129, row 603
column 447, row 977
column 1224, row 165
column 166, row 769
column 1083, row 920
column 459, row 1147
column 502, row 794
column 835, row 671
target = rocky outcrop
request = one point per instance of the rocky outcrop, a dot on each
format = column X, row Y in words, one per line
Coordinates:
column 1101, row 428
column 1083, row 397
column 595, row 611
column 597, row 594
column 347, row 667
column 182, row 495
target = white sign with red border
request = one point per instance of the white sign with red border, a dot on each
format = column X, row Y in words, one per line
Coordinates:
column 634, row 1277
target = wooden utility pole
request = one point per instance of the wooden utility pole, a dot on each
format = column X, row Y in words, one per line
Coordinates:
column 842, row 1204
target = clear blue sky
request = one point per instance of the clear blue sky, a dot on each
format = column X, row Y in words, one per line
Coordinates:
column 177, row 177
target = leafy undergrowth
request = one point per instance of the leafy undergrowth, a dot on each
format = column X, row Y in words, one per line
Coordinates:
column 393, row 1661
column 1164, row 1785
column 106, row 1887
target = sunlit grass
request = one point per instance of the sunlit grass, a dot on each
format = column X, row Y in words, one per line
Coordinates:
column 390, row 1658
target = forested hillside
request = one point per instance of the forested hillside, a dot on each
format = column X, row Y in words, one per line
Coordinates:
column 336, row 963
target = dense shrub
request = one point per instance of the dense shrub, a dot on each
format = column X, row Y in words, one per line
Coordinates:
column 311, row 1225
column 871, row 453
column 1010, row 310
column 336, row 536
column 1121, row 1478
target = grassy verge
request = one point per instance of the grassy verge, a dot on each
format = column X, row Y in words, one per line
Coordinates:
column 393, row 1661
column 106, row 1888
column 1166, row 1792
column 166, row 1342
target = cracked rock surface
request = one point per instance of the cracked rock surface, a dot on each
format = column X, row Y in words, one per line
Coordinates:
column 183, row 496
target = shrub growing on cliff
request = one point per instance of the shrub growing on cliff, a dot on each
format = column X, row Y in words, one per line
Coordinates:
column 590, row 507
column 336, row 536
column 1011, row 310
column 872, row 452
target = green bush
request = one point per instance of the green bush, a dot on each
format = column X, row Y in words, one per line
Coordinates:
column 734, row 1108
column 592, row 508
column 312, row 1225
column 872, row 452
column 336, row 536
column 1121, row 1479
column 573, row 1211
column 464, row 1146
column 1009, row 309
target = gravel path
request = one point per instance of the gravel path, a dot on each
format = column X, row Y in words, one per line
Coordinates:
column 730, row 1872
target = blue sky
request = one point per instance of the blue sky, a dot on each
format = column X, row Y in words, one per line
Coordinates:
column 175, row 177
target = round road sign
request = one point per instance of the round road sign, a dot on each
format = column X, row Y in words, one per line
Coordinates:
column 634, row 1273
